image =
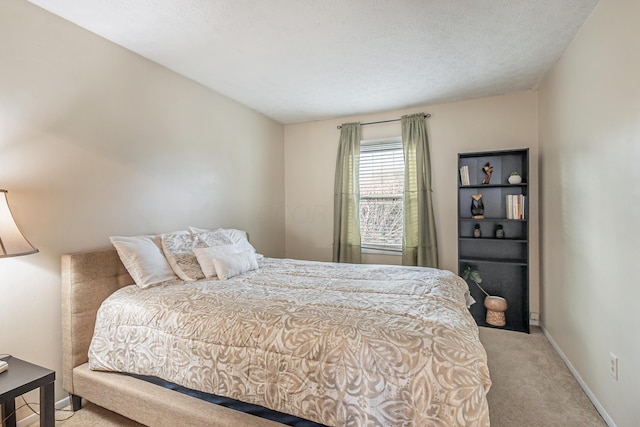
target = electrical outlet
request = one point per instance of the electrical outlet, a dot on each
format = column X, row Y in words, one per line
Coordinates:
column 613, row 366
column 534, row 316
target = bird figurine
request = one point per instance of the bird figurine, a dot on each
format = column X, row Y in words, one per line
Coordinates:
column 488, row 170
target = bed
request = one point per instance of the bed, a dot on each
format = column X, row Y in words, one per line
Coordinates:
column 294, row 336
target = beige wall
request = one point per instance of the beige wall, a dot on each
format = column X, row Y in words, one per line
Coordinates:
column 590, row 204
column 501, row 122
column 96, row 141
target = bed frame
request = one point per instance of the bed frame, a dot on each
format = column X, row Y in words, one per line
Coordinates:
column 87, row 279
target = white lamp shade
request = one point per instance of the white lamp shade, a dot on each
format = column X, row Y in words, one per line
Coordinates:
column 12, row 242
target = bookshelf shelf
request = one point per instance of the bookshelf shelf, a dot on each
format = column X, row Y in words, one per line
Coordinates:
column 524, row 184
column 502, row 263
column 492, row 220
column 493, row 239
column 515, row 261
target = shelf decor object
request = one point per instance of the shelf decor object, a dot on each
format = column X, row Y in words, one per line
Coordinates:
column 515, row 178
column 477, row 207
column 501, row 254
column 496, row 306
column 488, row 170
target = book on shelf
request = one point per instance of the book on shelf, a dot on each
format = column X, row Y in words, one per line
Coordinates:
column 464, row 175
column 515, row 206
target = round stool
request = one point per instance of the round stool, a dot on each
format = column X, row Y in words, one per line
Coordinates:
column 496, row 306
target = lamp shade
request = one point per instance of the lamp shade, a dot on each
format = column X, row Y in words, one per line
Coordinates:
column 12, row 242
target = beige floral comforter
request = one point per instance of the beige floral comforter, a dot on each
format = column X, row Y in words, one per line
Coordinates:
column 338, row 344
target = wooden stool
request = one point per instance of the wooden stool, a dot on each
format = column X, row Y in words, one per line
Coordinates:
column 496, row 306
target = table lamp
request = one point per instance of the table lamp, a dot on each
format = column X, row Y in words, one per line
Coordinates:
column 12, row 242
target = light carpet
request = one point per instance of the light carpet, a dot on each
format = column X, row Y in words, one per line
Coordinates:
column 532, row 387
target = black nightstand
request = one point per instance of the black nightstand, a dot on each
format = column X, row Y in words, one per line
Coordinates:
column 20, row 378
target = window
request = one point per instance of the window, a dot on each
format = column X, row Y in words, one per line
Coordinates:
column 381, row 194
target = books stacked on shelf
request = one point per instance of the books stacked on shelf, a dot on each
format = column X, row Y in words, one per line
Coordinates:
column 515, row 206
column 464, row 175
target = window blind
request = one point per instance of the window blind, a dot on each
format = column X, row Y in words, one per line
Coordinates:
column 381, row 194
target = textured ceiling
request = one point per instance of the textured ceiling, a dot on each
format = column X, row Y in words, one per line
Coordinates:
column 304, row 60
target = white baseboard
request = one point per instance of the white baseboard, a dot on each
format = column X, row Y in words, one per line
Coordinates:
column 35, row 417
column 590, row 395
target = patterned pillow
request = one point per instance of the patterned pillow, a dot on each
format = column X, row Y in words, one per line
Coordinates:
column 214, row 238
column 178, row 248
column 239, row 238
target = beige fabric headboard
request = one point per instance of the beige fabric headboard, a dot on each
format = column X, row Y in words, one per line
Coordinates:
column 88, row 278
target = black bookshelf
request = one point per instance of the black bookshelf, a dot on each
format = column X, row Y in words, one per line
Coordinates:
column 503, row 263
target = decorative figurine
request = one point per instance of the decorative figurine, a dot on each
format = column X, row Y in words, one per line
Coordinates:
column 476, row 231
column 499, row 232
column 477, row 207
column 488, row 170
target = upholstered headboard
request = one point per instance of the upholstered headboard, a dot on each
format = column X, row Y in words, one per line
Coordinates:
column 87, row 279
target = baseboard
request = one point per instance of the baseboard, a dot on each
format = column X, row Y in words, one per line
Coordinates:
column 63, row 403
column 605, row 416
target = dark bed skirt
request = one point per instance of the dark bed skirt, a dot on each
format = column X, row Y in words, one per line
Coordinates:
column 259, row 411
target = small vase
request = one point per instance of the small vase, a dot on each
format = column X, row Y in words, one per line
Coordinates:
column 515, row 179
column 496, row 307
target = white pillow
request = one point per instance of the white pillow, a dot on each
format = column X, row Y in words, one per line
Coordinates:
column 143, row 258
column 231, row 264
column 205, row 258
column 239, row 238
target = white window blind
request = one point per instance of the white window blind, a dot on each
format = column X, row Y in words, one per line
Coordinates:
column 381, row 193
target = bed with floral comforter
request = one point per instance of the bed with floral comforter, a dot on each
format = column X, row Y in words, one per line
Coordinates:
column 338, row 344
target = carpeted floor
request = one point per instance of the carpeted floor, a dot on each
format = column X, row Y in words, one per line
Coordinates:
column 93, row 416
column 532, row 387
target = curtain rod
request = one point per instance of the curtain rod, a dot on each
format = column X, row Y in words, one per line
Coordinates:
column 383, row 121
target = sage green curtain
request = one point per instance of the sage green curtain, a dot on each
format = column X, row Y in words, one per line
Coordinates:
column 419, row 246
column 346, row 210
